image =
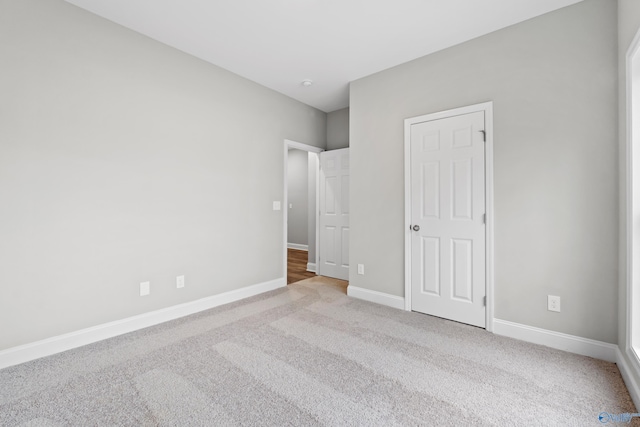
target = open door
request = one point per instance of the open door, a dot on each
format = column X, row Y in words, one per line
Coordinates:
column 334, row 214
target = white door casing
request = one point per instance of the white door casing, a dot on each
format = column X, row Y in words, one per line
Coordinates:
column 334, row 214
column 447, row 217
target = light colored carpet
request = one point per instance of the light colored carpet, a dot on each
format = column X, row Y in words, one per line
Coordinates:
column 310, row 355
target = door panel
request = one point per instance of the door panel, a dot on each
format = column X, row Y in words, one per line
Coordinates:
column 344, row 195
column 461, row 257
column 329, row 245
column 462, row 189
column 334, row 214
column 448, row 206
column 431, row 190
column 345, row 247
column 329, row 196
column 431, row 265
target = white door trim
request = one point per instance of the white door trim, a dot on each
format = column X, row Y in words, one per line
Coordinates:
column 633, row 55
column 311, row 149
column 487, row 108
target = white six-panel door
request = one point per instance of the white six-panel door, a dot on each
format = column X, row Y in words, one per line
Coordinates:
column 334, row 214
column 448, row 218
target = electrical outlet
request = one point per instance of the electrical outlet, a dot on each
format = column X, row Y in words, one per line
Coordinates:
column 180, row 282
column 276, row 205
column 553, row 303
column 361, row 269
column 145, row 288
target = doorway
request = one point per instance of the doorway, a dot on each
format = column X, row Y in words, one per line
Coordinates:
column 448, row 215
column 300, row 216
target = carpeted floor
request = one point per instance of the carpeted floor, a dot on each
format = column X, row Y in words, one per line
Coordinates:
column 309, row 355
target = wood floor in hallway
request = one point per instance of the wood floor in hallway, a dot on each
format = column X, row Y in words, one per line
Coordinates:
column 297, row 266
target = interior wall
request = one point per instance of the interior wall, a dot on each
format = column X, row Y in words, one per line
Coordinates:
column 297, row 220
column 338, row 129
column 553, row 82
column 123, row 160
column 628, row 27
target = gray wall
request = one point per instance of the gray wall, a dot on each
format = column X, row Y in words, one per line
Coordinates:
column 297, row 221
column 628, row 27
column 311, row 216
column 123, row 160
column 338, row 129
column 553, row 81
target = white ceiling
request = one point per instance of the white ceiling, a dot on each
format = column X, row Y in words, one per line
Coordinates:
column 280, row 43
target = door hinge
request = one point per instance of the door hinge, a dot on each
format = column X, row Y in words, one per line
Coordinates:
column 484, row 218
column 484, row 135
column 484, row 301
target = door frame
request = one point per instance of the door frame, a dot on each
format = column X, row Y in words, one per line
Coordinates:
column 285, row 205
column 632, row 178
column 487, row 108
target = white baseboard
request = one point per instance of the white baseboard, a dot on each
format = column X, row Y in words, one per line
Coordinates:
column 375, row 296
column 627, row 376
column 49, row 346
column 298, row 247
column 571, row 343
column 311, row 267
